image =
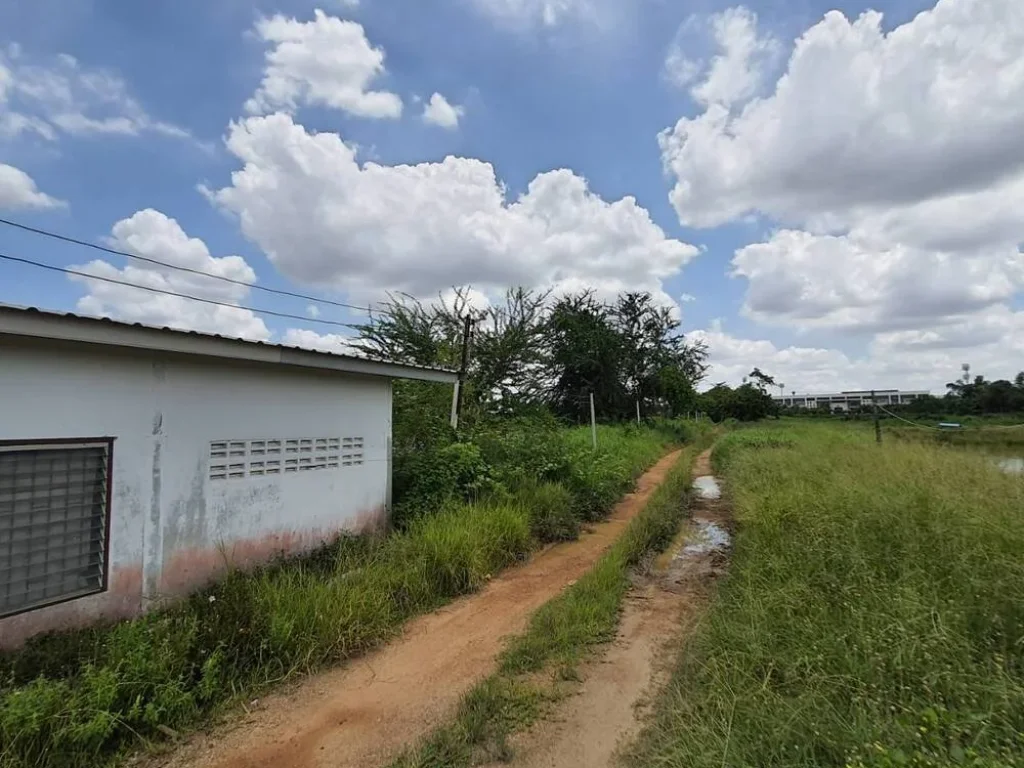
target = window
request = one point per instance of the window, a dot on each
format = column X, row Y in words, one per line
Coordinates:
column 54, row 513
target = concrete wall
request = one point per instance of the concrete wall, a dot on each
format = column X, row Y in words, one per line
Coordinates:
column 173, row 529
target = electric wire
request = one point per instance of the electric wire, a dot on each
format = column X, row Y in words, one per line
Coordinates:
column 190, row 270
column 79, row 273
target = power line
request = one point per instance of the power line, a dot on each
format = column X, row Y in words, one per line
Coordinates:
column 939, row 429
column 148, row 260
column 67, row 271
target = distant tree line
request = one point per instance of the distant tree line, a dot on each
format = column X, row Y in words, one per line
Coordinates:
column 973, row 397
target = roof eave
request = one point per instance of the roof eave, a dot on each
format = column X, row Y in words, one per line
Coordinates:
column 28, row 323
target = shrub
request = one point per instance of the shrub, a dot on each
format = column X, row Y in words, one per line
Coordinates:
column 552, row 517
column 457, row 471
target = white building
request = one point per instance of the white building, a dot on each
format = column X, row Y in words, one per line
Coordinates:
column 844, row 401
column 136, row 463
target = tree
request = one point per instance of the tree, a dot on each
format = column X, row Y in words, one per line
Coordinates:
column 531, row 352
column 745, row 403
column 659, row 367
column 584, row 356
column 761, row 380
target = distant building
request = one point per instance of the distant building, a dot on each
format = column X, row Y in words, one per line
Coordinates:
column 138, row 463
column 844, row 401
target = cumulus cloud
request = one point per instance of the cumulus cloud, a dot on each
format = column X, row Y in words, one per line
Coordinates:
column 440, row 112
column 991, row 340
column 324, row 219
column 890, row 161
column 735, row 73
column 61, row 95
column 152, row 234
column 856, row 282
column 863, row 120
column 321, row 342
column 18, row 190
column 324, row 62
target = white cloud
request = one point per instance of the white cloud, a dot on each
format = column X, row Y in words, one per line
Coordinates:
column 856, row 282
column 893, row 164
column 324, row 219
column 735, row 73
column 18, row 190
column 61, row 95
column 324, row 62
column 863, row 121
column 152, row 234
column 546, row 13
column 313, row 311
column 322, row 342
column 991, row 341
column 441, row 113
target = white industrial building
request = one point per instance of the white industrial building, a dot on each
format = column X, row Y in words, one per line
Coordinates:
column 137, row 463
column 844, row 401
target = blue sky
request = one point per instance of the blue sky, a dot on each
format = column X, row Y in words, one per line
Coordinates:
column 820, row 192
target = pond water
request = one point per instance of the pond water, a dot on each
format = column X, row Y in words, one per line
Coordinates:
column 1012, row 464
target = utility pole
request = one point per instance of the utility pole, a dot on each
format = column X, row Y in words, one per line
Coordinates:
column 878, row 424
column 467, row 334
column 593, row 421
column 638, row 413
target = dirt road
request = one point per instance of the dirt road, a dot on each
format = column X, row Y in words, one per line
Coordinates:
column 363, row 714
column 659, row 613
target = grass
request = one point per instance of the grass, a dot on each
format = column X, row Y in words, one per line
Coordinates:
column 559, row 636
column 874, row 614
column 88, row 697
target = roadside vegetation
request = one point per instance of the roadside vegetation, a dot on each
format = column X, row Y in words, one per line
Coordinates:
column 562, row 633
column 78, row 699
column 874, row 615
column 518, row 473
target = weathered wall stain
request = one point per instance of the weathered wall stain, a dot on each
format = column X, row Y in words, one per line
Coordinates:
column 122, row 600
column 174, row 528
column 191, row 568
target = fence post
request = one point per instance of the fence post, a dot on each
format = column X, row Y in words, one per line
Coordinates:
column 593, row 421
column 878, row 424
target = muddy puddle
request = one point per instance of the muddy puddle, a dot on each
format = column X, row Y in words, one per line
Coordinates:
column 705, row 538
column 707, row 488
column 701, row 550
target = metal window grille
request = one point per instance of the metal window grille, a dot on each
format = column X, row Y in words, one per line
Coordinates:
column 53, row 522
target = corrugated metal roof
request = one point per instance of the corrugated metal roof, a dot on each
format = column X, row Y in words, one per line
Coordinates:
column 96, row 322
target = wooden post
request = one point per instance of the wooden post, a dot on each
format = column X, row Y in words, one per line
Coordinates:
column 878, row 424
column 467, row 332
column 593, row 421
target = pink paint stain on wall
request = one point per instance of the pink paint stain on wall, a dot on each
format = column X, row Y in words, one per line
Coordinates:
column 122, row 600
column 191, row 569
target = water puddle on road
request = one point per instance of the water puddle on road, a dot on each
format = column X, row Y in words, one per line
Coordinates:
column 707, row 537
column 707, row 488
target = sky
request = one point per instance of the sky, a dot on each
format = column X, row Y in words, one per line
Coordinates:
column 831, row 192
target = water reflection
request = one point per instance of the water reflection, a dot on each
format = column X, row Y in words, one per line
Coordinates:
column 1012, row 464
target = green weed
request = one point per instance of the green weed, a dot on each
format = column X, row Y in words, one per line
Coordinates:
column 84, row 698
column 873, row 616
column 560, row 634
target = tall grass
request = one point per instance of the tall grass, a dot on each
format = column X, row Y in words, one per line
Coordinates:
column 874, row 615
column 83, row 698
